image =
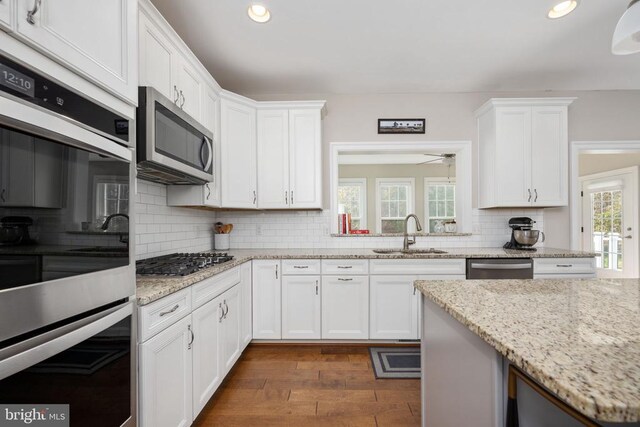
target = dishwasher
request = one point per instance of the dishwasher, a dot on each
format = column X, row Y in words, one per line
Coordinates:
column 499, row 268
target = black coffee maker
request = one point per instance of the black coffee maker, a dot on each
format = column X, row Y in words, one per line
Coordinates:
column 14, row 230
column 522, row 234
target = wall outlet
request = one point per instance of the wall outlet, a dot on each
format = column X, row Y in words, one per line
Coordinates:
column 258, row 229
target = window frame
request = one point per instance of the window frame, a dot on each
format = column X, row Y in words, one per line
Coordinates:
column 362, row 183
column 107, row 179
column 441, row 180
column 410, row 202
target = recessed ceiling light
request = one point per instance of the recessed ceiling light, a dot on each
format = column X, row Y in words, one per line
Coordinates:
column 259, row 13
column 562, row 9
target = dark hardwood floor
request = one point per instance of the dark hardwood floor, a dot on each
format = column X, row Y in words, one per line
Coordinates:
column 283, row 385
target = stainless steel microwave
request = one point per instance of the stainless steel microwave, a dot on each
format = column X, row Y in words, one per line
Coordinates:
column 172, row 147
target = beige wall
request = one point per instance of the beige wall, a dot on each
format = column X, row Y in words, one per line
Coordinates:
column 595, row 163
column 371, row 172
column 595, row 115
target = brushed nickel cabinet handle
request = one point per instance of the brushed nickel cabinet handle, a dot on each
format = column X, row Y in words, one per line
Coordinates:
column 344, row 280
column 300, row 266
column 164, row 313
column 255, row 197
column 345, row 266
column 208, row 191
column 193, row 337
column 32, row 13
column 286, row 197
column 2, row 195
column 291, row 196
column 535, row 190
column 564, row 265
column 529, row 190
column 221, row 312
column 226, row 308
column 183, row 99
column 276, row 271
column 316, row 287
column 176, row 93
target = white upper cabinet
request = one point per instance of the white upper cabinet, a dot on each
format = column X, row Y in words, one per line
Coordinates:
column 157, row 56
column 167, row 64
column 305, row 158
column 6, row 13
column 238, row 155
column 95, row 39
column 190, row 90
column 273, row 155
column 290, row 155
column 523, row 152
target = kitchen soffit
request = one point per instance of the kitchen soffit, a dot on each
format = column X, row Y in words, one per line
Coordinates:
column 333, row 46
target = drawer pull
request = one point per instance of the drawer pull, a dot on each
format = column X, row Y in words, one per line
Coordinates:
column 345, row 266
column 175, row 307
column 221, row 312
column 564, row 265
column 300, row 266
column 344, row 280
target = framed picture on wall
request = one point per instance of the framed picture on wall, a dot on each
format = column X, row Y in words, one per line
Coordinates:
column 399, row 126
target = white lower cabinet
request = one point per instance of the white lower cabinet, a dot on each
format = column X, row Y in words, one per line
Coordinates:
column 229, row 351
column 394, row 307
column 267, row 310
column 182, row 365
column 301, row 307
column 345, row 307
column 207, row 321
column 246, row 326
column 165, row 377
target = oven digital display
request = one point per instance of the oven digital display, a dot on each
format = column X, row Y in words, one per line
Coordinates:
column 17, row 81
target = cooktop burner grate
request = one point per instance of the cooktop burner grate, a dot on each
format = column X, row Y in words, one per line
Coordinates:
column 181, row 264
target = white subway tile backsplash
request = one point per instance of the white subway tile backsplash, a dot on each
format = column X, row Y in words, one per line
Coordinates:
column 306, row 229
column 162, row 229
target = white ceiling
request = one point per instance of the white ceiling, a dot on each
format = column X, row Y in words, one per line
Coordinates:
column 405, row 46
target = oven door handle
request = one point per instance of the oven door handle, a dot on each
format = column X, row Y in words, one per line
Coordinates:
column 33, row 351
column 488, row 266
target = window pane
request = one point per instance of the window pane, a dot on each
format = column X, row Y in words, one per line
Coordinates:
column 441, row 209
column 450, row 192
column 393, row 193
column 402, row 210
column 384, row 192
column 441, row 192
column 402, row 193
column 433, row 208
column 392, row 226
column 450, row 209
column 432, row 192
column 394, row 210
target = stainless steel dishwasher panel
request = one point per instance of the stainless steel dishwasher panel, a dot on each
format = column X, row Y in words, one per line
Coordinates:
column 499, row 268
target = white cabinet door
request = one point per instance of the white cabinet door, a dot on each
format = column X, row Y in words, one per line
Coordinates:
column 207, row 372
column 6, row 11
column 190, row 89
column 96, row 39
column 305, row 159
column 246, row 326
column 273, row 155
column 345, row 307
column 394, row 308
column 157, row 59
column 266, row 300
column 165, row 378
column 549, row 156
column 238, row 160
column 513, row 154
column 230, row 350
column 301, row 307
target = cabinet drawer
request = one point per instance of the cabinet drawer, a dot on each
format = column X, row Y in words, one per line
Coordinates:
column 564, row 266
column 301, row 266
column 345, row 266
column 418, row 266
column 208, row 289
column 161, row 314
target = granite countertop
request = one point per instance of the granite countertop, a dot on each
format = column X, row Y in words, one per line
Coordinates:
column 578, row 338
column 61, row 250
column 152, row 288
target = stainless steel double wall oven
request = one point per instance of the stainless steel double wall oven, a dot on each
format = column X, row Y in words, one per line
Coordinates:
column 66, row 292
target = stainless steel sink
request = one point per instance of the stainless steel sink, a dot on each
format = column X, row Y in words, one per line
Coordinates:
column 103, row 249
column 409, row 251
column 424, row 251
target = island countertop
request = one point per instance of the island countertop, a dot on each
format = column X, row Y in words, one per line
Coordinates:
column 578, row 338
column 152, row 288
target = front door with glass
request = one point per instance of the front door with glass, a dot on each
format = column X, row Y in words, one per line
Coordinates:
column 610, row 221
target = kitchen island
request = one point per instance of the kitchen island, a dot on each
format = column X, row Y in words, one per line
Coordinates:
column 577, row 340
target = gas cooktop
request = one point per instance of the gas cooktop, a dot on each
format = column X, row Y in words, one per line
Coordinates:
column 180, row 264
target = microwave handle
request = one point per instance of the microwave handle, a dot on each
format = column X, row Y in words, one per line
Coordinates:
column 206, row 143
